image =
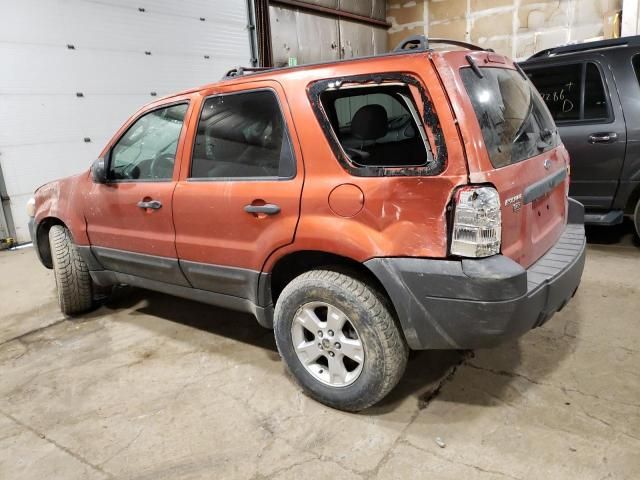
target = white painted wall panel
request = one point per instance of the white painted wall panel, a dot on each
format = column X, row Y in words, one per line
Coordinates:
column 42, row 122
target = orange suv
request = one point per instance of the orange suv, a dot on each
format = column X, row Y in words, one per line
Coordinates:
column 361, row 208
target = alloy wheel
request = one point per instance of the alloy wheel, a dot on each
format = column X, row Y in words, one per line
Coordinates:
column 327, row 344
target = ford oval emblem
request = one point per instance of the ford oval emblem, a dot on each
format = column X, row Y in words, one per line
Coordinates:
column 547, row 164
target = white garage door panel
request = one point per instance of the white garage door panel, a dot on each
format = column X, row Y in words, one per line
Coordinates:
column 88, row 25
column 58, row 118
column 210, row 9
column 54, row 160
column 20, row 218
column 45, row 70
column 43, row 123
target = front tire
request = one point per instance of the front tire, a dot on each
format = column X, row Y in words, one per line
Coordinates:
column 71, row 273
column 339, row 339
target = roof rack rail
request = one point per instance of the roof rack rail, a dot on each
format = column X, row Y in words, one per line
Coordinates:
column 586, row 46
column 458, row 43
column 414, row 42
column 239, row 71
column 542, row 53
column 421, row 43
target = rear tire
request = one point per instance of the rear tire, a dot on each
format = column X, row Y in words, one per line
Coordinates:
column 339, row 339
column 71, row 273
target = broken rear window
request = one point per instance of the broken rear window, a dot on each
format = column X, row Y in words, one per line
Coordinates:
column 377, row 126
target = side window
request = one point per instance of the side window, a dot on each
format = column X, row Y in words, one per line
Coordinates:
column 377, row 126
column 563, row 87
column 242, row 135
column 636, row 66
column 147, row 151
column 595, row 98
column 559, row 87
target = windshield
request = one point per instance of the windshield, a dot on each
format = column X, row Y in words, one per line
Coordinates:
column 515, row 123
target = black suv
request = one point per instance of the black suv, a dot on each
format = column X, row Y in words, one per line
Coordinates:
column 593, row 92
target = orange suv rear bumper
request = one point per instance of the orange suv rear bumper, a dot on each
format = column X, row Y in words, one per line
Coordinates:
column 478, row 303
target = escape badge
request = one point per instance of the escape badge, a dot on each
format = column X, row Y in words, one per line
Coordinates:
column 515, row 202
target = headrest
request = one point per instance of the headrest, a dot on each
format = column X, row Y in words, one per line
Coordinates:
column 257, row 108
column 370, row 122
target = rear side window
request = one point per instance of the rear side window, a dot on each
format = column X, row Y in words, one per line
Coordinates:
column 377, row 126
column 515, row 123
column 636, row 66
column 595, row 98
column 242, row 135
column 564, row 87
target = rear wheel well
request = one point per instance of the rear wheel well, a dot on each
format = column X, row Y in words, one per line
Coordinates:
column 42, row 239
column 295, row 264
column 633, row 200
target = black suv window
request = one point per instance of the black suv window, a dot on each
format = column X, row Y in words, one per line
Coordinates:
column 636, row 66
column 242, row 135
column 595, row 98
column 147, row 150
column 377, row 126
column 563, row 87
column 515, row 123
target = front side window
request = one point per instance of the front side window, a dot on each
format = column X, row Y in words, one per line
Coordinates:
column 377, row 126
column 515, row 123
column 147, row 151
column 242, row 135
column 563, row 88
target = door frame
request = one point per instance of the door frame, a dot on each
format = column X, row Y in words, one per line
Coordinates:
column 160, row 104
column 130, row 262
column 256, row 288
column 198, row 102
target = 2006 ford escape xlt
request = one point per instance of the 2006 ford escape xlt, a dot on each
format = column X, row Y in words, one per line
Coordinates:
column 361, row 208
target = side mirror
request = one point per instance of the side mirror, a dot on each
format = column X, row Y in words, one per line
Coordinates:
column 98, row 171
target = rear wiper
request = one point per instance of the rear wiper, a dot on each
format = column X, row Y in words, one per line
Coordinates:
column 523, row 125
column 474, row 66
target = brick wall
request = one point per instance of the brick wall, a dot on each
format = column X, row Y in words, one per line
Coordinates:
column 406, row 18
column 517, row 28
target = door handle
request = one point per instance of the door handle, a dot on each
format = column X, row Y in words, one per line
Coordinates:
column 603, row 137
column 153, row 204
column 268, row 209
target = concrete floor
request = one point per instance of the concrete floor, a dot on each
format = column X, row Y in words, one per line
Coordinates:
column 156, row 387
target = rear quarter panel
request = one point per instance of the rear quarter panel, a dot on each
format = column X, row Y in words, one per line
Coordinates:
column 400, row 216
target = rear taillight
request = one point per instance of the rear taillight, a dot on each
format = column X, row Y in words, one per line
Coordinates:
column 477, row 223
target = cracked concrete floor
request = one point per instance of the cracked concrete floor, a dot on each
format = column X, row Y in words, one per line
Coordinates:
column 155, row 387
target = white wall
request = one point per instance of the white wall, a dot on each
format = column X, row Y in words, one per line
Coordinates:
column 43, row 123
column 630, row 19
